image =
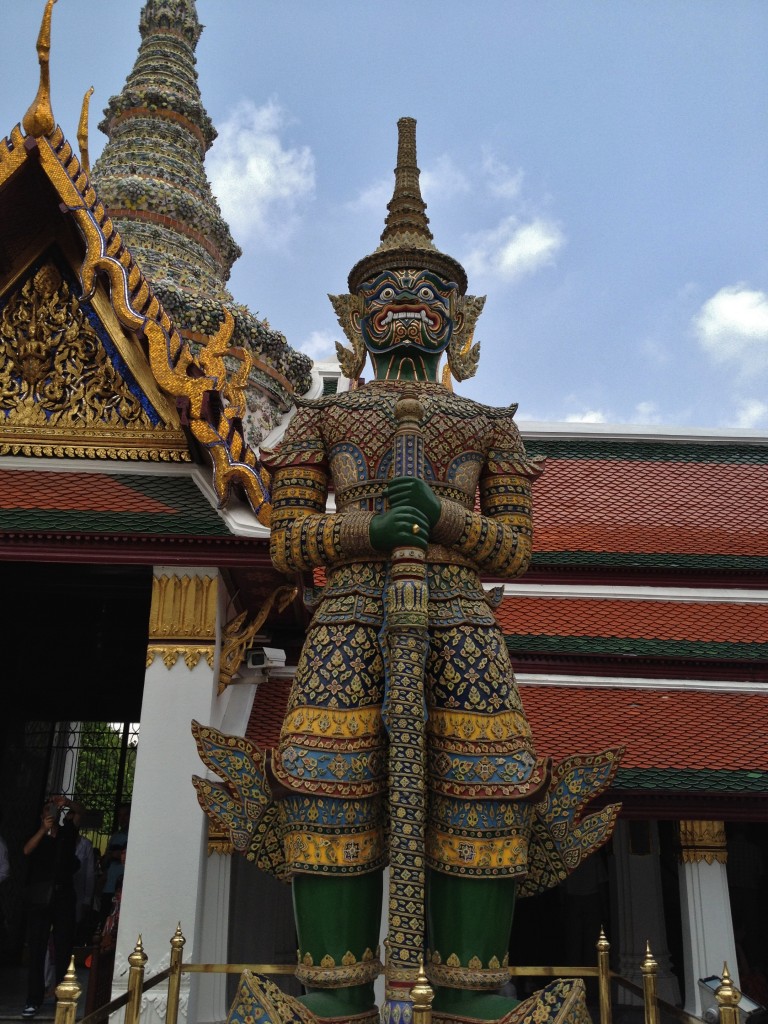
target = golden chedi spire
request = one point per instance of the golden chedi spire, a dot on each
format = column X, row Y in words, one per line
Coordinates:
column 39, row 120
column 406, row 240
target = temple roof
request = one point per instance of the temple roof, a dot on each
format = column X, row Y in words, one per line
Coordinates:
column 643, row 503
column 151, row 176
column 652, row 626
column 47, row 502
column 680, row 744
column 92, row 366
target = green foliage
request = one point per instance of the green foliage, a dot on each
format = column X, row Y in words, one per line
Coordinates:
column 105, row 770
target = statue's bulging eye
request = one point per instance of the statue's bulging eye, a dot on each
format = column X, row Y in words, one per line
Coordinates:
column 426, row 293
column 387, row 293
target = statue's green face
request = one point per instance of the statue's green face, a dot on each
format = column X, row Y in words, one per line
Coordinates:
column 407, row 322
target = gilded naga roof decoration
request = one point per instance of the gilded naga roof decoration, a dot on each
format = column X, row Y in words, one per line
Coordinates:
column 39, row 118
column 151, row 176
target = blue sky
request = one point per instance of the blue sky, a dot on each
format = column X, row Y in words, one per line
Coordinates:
column 599, row 168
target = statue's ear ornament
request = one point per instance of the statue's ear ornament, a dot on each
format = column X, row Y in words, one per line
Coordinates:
column 349, row 309
column 463, row 356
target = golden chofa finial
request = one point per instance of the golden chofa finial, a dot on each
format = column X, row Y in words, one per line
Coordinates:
column 38, row 120
column 82, row 133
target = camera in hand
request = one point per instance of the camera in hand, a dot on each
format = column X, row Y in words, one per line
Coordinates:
column 63, row 812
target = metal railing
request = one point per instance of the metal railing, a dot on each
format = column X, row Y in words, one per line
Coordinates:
column 68, row 992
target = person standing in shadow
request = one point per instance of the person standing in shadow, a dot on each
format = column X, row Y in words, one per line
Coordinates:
column 85, row 878
column 113, row 863
column 49, row 897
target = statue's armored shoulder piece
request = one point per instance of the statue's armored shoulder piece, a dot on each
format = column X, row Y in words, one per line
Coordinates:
column 463, row 406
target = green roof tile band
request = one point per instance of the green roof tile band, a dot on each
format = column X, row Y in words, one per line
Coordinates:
column 645, row 560
column 698, row 780
column 631, row 449
column 649, row 647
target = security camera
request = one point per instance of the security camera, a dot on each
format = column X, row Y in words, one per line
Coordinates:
column 266, row 658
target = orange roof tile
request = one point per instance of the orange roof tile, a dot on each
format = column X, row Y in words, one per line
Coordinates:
column 662, row 620
column 71, row 492
column 669, row 729
column 268, row 712
column 636, row 506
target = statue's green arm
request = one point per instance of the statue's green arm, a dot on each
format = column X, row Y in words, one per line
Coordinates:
column 303, row 534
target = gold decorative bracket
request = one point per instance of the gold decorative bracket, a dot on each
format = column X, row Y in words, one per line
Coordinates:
column 236, row 637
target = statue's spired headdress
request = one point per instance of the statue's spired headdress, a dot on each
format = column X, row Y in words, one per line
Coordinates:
column 406, row 242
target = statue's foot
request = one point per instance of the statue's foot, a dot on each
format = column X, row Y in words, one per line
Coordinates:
column 560, row 1002
column 346, row 1003
column 455, row 1002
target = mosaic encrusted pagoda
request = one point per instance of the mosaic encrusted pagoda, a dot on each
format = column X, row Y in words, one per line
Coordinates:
column 152, row 177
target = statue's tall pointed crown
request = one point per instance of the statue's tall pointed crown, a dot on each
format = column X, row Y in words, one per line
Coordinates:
column 406, row 240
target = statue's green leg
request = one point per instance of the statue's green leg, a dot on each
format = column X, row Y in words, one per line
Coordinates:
column 470, row 920
column 337, row 922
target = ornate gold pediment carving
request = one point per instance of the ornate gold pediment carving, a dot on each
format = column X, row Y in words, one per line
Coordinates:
column 61, row 392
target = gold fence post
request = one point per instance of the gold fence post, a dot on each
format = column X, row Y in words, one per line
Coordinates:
column 604, row 978
column 67, row 995
column 136, row 962
column 421, row 997
column 174, row 981
column 728, row 998
column 649, row 968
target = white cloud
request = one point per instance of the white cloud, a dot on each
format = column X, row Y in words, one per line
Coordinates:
column 443, row 179
column 750, row 413
column 259, row 184
column 656, row 351
column 732, row 327
column 646, row 413
column 502, row 182
column 512, row 249
column 590, row 416
column 374, row 198
column 319, row 345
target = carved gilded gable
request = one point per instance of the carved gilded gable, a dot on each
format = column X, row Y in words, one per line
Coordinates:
column 65, row 390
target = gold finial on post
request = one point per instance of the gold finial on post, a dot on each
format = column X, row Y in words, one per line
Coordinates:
column 604, row 977
column 649, row 967
column 67, row 995
column 174, row 980
column 422, row 995
column 728, row 998
column 136, row 962
column 82, row 133
column 39, row 120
